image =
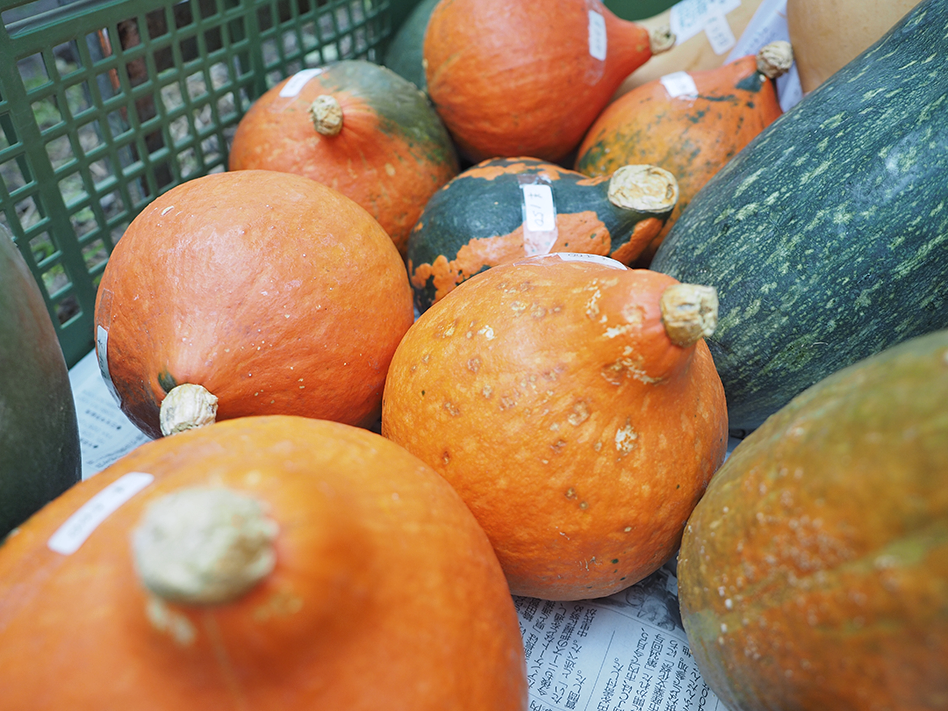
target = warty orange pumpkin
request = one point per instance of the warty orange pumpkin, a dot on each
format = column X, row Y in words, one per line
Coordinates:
column 574, row 405
column 690, row 124
column 264, row 292
column 357, row 127
column 273, row 563
column 521, row 78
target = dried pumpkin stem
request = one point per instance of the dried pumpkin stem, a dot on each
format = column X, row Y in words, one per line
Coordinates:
column 204, row 546
column 775, row 59
column 689, row 312
column 326, row 114
column 187, row 406
column 645, row 188
column 661, row 39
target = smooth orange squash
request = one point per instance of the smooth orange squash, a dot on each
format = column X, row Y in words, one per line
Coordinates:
column 272, row 292
column 692, row 134
column 574, row 406
column 360, row 129
column 521, row 78
column 272, row 563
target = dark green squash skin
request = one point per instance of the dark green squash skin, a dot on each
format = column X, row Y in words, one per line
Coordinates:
column 474, row 207
column 39, row 433
column 813, row 574
column 404, row 54
column 827, row 236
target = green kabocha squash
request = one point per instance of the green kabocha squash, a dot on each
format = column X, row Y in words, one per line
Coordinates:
column 39, row 433
column 504, row 209
column 826, row 237
column 813, row 573
column 404, row 54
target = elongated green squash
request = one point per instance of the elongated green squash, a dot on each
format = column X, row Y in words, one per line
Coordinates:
column 827, row 236
column 39, row 433
column 813, row 573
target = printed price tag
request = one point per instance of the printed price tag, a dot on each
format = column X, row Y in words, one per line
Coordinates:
column 296, row 83
column 597, row 35
column 680, row 85
column 689, row 17
column 73, row 533
column 719, row 34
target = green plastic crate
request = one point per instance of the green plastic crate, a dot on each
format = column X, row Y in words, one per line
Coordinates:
column 105, row 104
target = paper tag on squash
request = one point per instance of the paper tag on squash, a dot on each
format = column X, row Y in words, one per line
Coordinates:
column 77, row 528
column 296, row 82
column 584, row 257
column 597, row 36
column 680, row 85
column 539, row 215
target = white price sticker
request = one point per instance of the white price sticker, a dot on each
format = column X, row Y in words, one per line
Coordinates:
column 296, row 82
column 719, row 33
column 597, row 35
column 102, row 355
column 680, row 85
column 539, row 215
column 73, row 533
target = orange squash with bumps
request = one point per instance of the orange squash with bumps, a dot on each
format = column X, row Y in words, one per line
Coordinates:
column 271, row 563
column 522, row 78
column 574, row 405
column 251, row 293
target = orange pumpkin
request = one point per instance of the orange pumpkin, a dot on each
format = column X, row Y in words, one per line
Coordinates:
column 574, row 406
column 271, row 563
column 360, row 129
column 521, row 78
column 265, row 292
column 690, row 124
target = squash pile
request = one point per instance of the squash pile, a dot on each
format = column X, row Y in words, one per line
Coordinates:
column 552, row 279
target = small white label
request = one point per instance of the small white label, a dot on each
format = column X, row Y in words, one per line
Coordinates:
column 102, row 355
column 539, row 215
column 680, row 85
column 594, row 258
column 296, row 82
column 73, row 533
column 719, row 33
column 597, row 36
column 689, row 17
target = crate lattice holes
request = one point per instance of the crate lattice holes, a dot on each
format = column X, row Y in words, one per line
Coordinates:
column 105, row 104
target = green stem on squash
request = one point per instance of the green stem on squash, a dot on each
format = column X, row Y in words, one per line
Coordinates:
column 689, row 313
column 204, row 545
column 186, row 407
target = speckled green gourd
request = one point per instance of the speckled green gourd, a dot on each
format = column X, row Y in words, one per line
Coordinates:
column 813, row 573
column 827, row 236
column 39, row 433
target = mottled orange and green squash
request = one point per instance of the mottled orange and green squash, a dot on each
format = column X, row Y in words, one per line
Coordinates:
column 346, row 575
column 692, row 136
column 390, row 153
column 524, row 78
column 574, row 405
column 814, row 572
column 478, row 219
column 271, row 291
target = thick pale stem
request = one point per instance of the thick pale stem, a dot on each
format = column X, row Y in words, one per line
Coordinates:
column 689, row 312
column 661, row 39
column 775, row 59
column 645, row 188
column 204, row 546
column 326, row 114
column 187, row 406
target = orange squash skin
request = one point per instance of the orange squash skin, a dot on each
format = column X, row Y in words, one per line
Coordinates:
column 276, row 293
column 517, row 78
column 390, row 156
column 692, row 138
column 385, row 594
column 548, row 394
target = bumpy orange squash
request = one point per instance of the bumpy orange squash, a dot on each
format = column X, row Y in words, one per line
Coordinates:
column 522, row 78
column 689, row 124
column 573, row 404
column 272, row 292
column 271, row 563
column 360, row 129
column 814, row 572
